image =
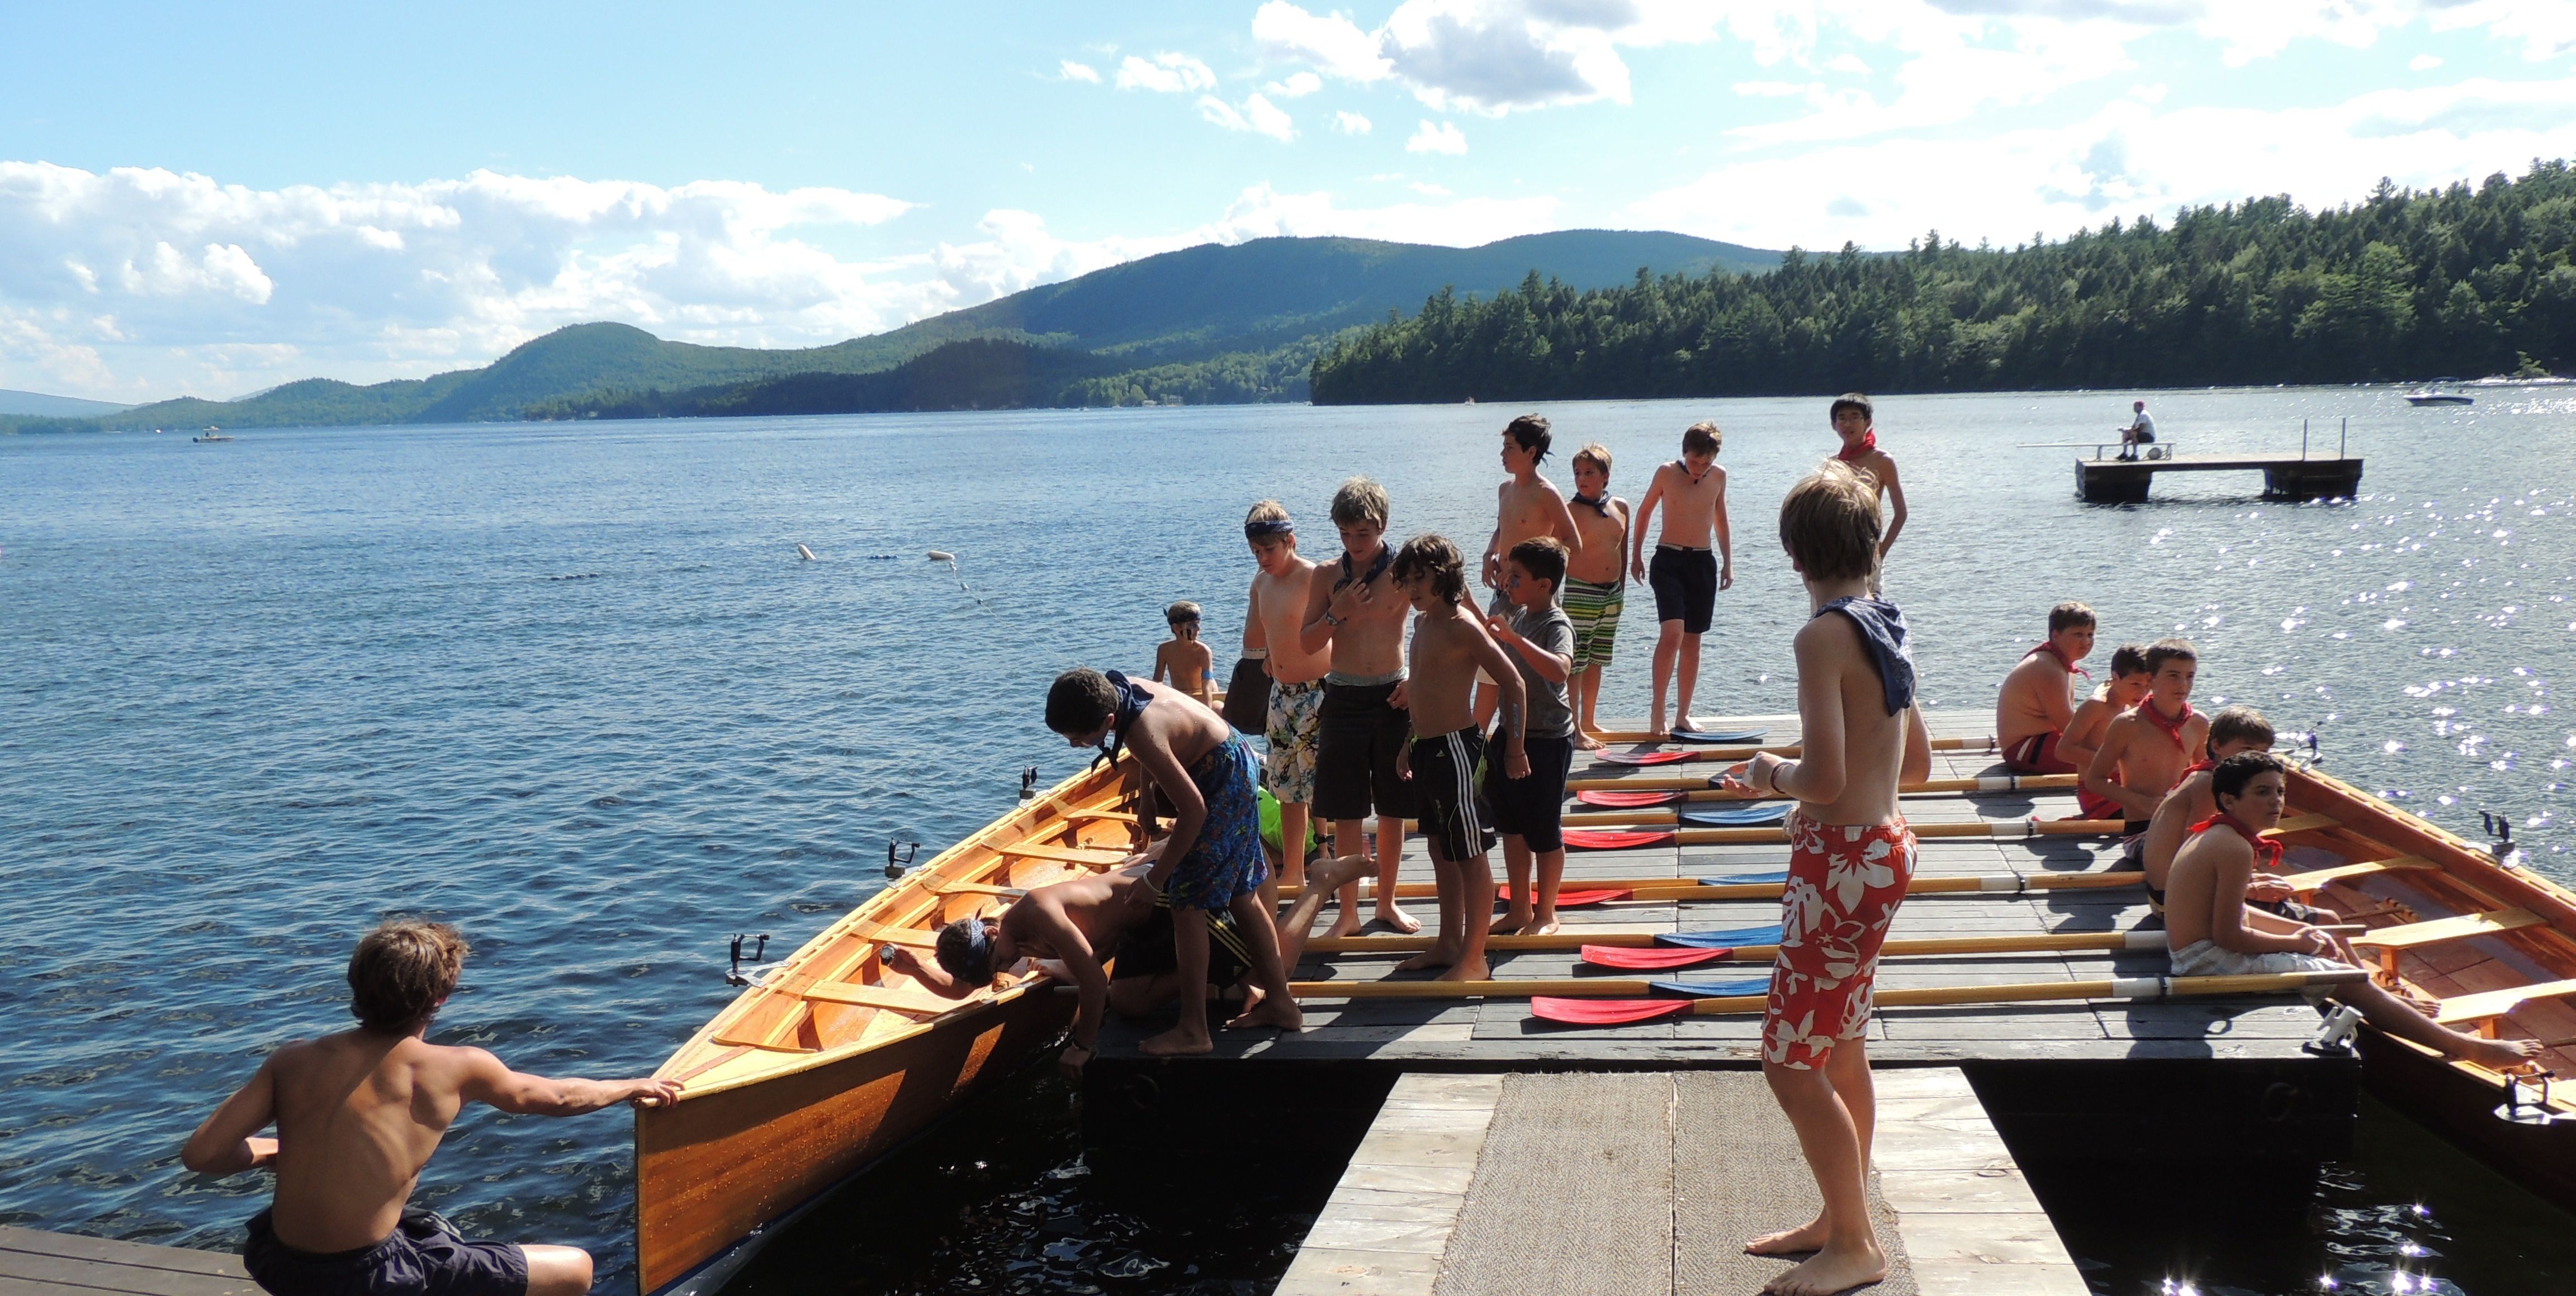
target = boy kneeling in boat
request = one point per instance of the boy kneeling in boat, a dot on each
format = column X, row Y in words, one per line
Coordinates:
column 1212, row 860
column 358, row 1115
column 2036, row 703
column 2209, row 933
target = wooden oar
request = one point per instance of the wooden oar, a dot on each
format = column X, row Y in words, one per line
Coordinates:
column 1703, row 736
column 1767, row 886
column 1634, row 792
column 1995, row 829
column 1748, row 753
column 1559, row 1006
column 1748, row 945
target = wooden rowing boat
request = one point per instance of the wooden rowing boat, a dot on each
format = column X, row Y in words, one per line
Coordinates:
column 2493, row 944
column 833, row 1059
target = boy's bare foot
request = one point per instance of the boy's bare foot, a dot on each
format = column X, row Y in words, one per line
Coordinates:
column 1286, row 1016
column 1404, row 923
column 1543, row 926
column 1513, row 920
column 1177, row 1042
column 1345, row 923
column 1832, row 1270
column 1435, row 957
column 2501, row 1054
column 1809, row 1236
column 1467, row 970
column 1586, row 742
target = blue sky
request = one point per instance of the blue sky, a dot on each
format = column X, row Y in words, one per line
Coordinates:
column 212, row 199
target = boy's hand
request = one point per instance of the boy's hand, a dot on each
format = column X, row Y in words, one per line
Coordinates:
column 653, row 1093
column 2317, row 941
column 1400, row 699
column 1762, row 773
column 903, row 960
column 1726, row 577
column 2269, row 888
column 1071, row 1061
column 1493, row 572
column 1404, row 761
column 1637, row 567
column 263, row 1152
column 1500, row 629
column 1515, row 760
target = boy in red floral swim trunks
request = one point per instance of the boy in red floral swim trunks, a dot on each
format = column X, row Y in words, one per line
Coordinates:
column 1850, row 859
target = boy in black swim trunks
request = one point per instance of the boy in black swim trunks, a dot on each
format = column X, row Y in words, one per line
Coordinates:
column 1530, row 812
column 1449, row 646
column 1353, row 608
column 358, row 1115
column 1685, row 575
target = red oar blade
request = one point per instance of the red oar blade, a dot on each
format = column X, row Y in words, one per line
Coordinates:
column 1642, row 758
column 1574, row 899
column 1605, row 1012
column 1629, row 800
column 1650, row 960
column 1617, row 838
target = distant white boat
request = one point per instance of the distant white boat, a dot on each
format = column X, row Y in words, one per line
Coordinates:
column 2436, row 393
column 210, row 434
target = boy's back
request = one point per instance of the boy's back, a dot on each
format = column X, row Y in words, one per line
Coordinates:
column 358, row 1116
column 1853, row 719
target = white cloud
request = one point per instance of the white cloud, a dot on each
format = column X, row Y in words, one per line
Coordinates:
column 1351, row 123
column 1442, row 138
column 1331, row 42
column 1167, row 73
column 1298, row 85
column 1072, row 71
column 2423, row 62
column 1429, row 190
column 1257, row 115
column 1487, row 56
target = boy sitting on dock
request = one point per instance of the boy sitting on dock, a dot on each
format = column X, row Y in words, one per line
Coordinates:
column 2234, row 729
column 1526, row 506
column 1292, row 722
column 1212, row 860
column 1530, row 812
column 1449, row 647
column 2093, row 715
column 358, row 1115
column 2208, row 934
column 1359, row 615
column 1183, row 658
column 2145, row 751
column 1851, row 858
column 1855, row 420
column 1596, row 585
column 1685, row 574
column 2037, row 700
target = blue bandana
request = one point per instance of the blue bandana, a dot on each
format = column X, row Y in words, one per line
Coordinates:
column 1267, row 528
column 1599, row 505
column 1883, row 632
column 1385, row 557
column 976, row 968
column 1132, row 701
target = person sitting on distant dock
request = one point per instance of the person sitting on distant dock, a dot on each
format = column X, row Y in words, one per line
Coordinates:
column 2093, row 715
column 1685, row 575
column 2037, row 700
column 1182, row 658
column 2208, row 933
column 1855, row 421
column 1212, row 860
column 1596, row 585
column 358, row 1115
column 2145, row 751
column 2141, row 431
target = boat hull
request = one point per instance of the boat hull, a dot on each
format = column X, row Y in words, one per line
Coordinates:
column 2461, row 1107
column 714, row 1170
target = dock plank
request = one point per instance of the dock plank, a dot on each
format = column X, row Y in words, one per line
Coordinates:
column 33, row 1261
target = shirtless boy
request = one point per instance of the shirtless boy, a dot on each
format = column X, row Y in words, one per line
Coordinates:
column 358, row 1115
column 1525, row 505
column 1856, row 422
column 1449, row 646
column 1292, row 726
column 1182, row 658
column 1596, row 584
column 1685, row 575
column 2093, row 715
column 2208, row 932
column 2037, row 700
column 1354, row 610
column 2234, row 729
column 2145, row 751
column 1212, row 860
column 1851, row 857
column 1530, row 812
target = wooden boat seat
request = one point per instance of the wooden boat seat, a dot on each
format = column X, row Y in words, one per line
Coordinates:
column 1105, row 816
column 2302, row 823
column 1087, row 856
column 977, row 888
column 2485, row 1006
column 2392, row 941
column 911, row 936
column 2315, row 880
column 908, row 999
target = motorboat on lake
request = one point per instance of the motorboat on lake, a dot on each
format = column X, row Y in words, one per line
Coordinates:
column 211, row 434
column 2440, row 391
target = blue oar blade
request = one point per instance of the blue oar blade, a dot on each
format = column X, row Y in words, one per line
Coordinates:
column 1728, row 938
column 1724, row 737
column 1714, row 989
column 1757, row 815
column 1746, row 879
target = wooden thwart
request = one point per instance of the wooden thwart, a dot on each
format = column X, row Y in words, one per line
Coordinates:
column 2488, row 1005
column 1088, row 856
column 2315, row 880
column 907, row 999
column 2393, row 941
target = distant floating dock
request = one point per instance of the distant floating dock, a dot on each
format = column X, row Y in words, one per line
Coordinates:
column 2285, row 477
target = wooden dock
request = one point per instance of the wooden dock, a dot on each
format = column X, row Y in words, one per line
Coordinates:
column 2285, row 477
column 34, row 1263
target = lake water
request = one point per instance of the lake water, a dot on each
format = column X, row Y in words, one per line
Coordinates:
column 571, row 688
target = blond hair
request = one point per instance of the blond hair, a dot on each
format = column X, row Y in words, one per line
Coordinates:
column 1359, row 500
column 1266, row 511
column 1596, row 454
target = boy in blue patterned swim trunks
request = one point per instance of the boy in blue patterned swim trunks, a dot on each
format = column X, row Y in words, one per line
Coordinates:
column 1213, row 859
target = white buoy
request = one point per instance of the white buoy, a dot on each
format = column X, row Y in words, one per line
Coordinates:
column 804, row 553
column 942, row 555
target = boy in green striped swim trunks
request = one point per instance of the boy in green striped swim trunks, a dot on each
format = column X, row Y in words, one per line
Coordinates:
column 1596, row 584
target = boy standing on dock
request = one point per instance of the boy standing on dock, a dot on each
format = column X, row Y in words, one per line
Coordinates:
column 1855, row 420
column 1182, row 658
column 1851, row 858
column 1685, row 575
column 358, row 1115
column 2145, row 752
column 1530, row 812
column 1359, row 615
column 1526, row 505
column 1449, row 646
column 1596, row 585
column 1292, row 723
column 2037, row 700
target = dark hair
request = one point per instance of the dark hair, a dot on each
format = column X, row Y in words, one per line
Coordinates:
column 1853, row 400
column 1179, row 612
column 1829, row 523
column 1359, row 500
column 1431, row 555
column 1543, row 557
column 2165, row 650
column 1703, row 438
column 2128, row 659
column 2233, row 773
column 959, row 955
column 1531, row 432
column 2069, row 614
column 2239, row 724
column 400, row 972
column 1080, row 701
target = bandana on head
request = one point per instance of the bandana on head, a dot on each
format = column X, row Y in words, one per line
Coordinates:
column 976, row 968
column 1857, row 452
column 1268, row 527
column 2267, row 853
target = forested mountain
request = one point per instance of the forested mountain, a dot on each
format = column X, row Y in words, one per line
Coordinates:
column 27, row 402
column 2461, row 280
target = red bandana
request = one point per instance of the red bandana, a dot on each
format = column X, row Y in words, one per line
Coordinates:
column 2266, row 853
column 2169, row 728
column 2198, row 766
column 2051, row 650
column 1856, row 453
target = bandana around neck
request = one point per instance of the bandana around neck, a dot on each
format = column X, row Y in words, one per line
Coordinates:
column 2051, row 650
column 1597, row 503
column 2171, row 729
column 1132, row 701
column 2266, row 853
column 1385, row 557
column 1856, row 453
